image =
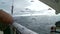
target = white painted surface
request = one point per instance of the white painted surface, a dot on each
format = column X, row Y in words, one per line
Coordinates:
column 23, row 29
column 1, row 32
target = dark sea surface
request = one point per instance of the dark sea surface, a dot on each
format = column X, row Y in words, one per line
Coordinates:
column 40, row 24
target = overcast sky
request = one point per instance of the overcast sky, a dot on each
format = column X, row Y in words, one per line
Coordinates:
column 26, row 6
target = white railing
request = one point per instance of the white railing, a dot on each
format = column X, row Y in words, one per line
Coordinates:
column 23, row 29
